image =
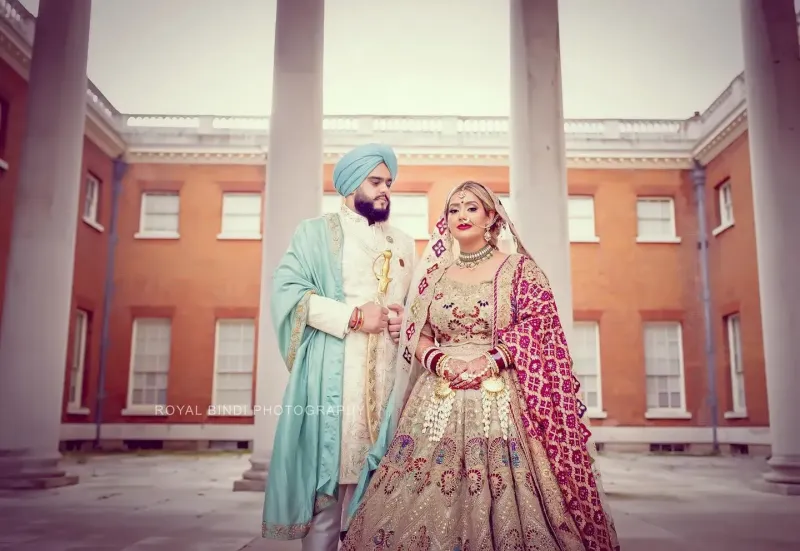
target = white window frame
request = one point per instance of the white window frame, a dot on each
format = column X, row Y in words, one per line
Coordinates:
column 146, row 409
column 328, row 202
column 228, row 233
column 733, row 325
column 153, row 234
column 679, row 412
column 574, row 235
column 91, row 203
column 594, row 412
column 78, row 363
column 232, row 410
column 724, row 193
column 673, row 238
column 419, row 231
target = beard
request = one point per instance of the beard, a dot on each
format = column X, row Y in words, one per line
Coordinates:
column 366, row 208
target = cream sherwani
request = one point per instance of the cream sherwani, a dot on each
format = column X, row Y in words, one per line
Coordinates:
column 361, row 260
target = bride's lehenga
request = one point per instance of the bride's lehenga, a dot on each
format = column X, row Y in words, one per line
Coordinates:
column 475, row 485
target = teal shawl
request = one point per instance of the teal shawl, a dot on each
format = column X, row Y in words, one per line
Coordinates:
column 303, row 475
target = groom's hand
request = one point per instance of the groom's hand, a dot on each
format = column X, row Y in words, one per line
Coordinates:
column 396, row 322
column 376, row 318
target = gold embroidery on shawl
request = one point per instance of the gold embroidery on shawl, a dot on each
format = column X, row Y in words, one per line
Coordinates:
column 335, row 227
column 284, row 531
column 299, row 321
column 323, row 501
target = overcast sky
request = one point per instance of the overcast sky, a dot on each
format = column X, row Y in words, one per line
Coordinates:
column 620, row 58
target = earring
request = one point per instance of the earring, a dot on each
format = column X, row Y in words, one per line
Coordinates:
column 486, row 235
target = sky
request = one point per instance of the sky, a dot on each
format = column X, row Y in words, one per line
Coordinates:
column 620, row 58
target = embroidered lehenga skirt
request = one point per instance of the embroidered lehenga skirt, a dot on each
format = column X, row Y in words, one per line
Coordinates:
column 461, row 475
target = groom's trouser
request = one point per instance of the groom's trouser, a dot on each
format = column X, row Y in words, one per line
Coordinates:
column 326, row 525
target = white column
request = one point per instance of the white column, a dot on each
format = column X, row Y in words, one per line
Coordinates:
column 538, row 173
column 38, row 291
column 772, row 74
column 293, row 192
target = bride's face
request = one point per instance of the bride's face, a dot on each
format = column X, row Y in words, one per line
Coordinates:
column 466, row 217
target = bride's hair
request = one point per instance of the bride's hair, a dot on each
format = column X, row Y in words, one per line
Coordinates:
column 484, row 196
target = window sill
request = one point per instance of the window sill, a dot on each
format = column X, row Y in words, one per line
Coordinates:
column 594, row 239
column 93, row 224
column 667, row 414
column 657, row 240
column 721, row 228
column 736, row 414
column 240, row 237
column 144, row 411
column 145, row 235
column 78, row 410
column 596, row 414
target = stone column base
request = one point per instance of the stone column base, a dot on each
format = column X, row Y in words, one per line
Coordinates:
column 784, row 475
column 254, row 479
column 21, row 471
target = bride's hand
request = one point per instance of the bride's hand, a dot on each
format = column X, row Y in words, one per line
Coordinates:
column 476, row 371
column 454, row 369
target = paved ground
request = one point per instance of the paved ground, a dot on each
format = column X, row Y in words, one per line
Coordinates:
column 185, row 503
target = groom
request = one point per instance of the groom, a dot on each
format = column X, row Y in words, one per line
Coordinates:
column 336, row 306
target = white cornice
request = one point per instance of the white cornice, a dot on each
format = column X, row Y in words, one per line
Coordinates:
column 472, row 141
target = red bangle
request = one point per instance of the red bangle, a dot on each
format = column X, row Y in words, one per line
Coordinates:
column 431, row 359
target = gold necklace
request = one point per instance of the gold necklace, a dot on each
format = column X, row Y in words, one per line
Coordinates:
column 472, row 260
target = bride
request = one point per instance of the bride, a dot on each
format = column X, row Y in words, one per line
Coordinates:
column 483, row 446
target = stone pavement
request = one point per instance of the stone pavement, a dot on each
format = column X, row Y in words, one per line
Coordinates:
column 184, row 503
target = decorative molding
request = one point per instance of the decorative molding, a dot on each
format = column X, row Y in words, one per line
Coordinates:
column 418, row 140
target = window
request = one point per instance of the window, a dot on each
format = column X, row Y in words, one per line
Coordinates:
column 331, row 203
column 78, row 363
column 734, row 326
column 159, row 215
column 581, row 219
column 91, row 200
column 656, row 220
column 410, row 214
column 725, row 198
column 150, row 359
column 234, row 357
column 241, row 216
column 663, row 360
column 585, row 351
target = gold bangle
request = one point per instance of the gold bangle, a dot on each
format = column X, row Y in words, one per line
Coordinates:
column 441, row 367
column 494, row 369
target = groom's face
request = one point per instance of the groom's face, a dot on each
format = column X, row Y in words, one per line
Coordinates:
column 372, row 197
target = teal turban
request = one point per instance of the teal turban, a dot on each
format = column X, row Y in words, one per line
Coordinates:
column 353, row 168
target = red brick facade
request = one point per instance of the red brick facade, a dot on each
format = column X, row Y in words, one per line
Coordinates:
column 197, row 279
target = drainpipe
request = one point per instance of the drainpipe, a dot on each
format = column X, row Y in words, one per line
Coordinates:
column 699, row 179
column 120, row 167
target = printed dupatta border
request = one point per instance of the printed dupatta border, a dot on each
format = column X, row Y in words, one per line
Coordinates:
column 438, row 257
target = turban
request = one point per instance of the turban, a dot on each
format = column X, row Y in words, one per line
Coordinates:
column 353, row 168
